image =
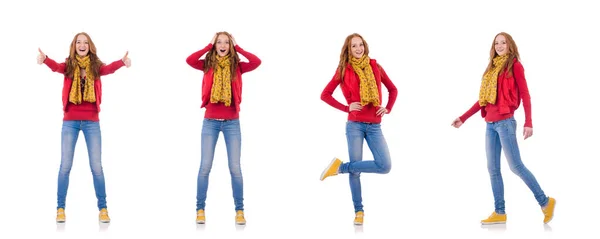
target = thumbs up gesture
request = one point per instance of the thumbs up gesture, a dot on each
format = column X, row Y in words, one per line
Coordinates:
column 126, row 60
column 41, row 57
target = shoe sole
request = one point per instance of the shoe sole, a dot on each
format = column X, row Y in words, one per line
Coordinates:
column 492, row 223
column 200, row 222
column 327, row 169
column 238, row 223
column 105, row 221
column 60, row 221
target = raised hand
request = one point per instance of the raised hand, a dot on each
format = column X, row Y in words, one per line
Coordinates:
column 214, row 39
column 126, row 60
column 41, row 57
column 233, row 41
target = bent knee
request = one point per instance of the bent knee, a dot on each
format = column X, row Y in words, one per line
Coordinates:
column 385, row 168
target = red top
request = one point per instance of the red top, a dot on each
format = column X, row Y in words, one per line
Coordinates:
column 351, row 89
column 510, row 92
column 86, row 110
column 219, row 110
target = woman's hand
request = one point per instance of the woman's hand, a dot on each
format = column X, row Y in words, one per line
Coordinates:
column 381, row 111
column 355, row 106
column 527, row 132
column 126, row 60
column 41, row 57
column 457, row 123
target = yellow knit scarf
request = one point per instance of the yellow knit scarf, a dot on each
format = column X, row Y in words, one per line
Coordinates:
column 368, row 86
column 221, row 88
column 489, row 83
column 88, row 89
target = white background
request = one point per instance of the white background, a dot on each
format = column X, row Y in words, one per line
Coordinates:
column 434, row 51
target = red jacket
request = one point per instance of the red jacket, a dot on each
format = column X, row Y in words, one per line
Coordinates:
column 236, row 85
column 351, row 90
column 104, row 70
column 511, row 90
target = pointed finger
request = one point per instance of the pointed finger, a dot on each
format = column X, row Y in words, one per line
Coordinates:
column 126, row 53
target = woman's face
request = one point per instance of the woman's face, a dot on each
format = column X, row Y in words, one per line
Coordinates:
column 500, row 45
column 357, row 47
column 222, row 45
column 82, row 45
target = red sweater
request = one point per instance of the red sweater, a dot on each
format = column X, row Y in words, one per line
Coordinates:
column 219, row 110
column 351, row 90
column 86, row 110
column 510, row 92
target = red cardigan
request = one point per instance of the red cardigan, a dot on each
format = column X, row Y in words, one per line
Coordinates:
column 104, row 70
column 510, row 92
column 219, row 111
column 351, row 90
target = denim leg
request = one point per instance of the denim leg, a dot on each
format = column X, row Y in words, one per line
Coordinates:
column 355, row 136
column 381, row 163
column 210, row 135
column 233, row 142
column 507, row 132
column 493, row 149
column 379, row 148
column 69, row 135
column 93, row 139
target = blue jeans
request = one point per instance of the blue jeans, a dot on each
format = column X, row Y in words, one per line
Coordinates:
column 501, row 135
column 233, row 142
column 93, row 140
column 356, row 132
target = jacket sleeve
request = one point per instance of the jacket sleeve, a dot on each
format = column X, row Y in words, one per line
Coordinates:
column 474, row 109
column 194, row 59
column 253, row 60
column 111, row 68
column 519, row 74
column 54, row 66
column 392, row 90
column 327, row 94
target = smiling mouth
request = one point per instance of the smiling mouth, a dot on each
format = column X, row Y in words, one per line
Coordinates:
column 222, row 50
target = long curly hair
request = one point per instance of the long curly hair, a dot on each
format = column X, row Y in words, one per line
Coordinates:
column 210, row 60
column 95, row 62
column 345, row 55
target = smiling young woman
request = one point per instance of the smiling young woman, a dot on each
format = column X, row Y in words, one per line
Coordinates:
column 502, row 88
column 221, row 96
column 81, row 96
column 360, row 79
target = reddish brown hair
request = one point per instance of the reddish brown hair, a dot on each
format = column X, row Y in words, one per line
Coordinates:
column 345, row 55
column 95, row 62
column 513, row 52
column 211, row 57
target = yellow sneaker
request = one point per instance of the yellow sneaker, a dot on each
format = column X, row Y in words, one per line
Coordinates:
column 549, row 210
column 495, row 218
column 358, row 219
column 239, row 218
column 103, row 217
column 60, row 215
column 332, row 169
column 200, row 218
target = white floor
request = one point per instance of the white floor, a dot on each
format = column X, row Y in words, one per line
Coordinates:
column 395, row 207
